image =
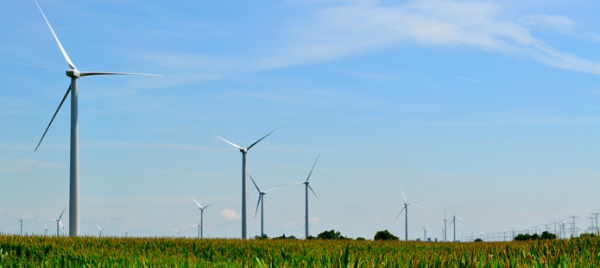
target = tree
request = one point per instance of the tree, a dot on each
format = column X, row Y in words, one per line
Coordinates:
column 330, row 235
column 385, row 235
column 360, row 239
column 478, row 240
column 547, row 235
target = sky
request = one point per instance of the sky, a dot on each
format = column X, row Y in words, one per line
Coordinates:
column 486, row 109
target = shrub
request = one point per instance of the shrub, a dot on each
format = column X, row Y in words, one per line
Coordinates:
column 385, row 235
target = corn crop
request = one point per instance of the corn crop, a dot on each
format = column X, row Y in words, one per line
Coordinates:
column 43, row 251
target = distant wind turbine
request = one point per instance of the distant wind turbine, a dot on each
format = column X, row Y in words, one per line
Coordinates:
column 261, row 203
column 201, row 225
column 424, row 233
column 100, row 230
column 405, row 209
column 46, row 231
column 22, row 221
column 454, row 217
column 244, row 152
column 179, row 231
column 58, row 223
column 307, row 186
column 74, row 151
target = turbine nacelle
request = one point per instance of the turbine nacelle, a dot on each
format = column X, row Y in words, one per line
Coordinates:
column 73, row 73
column 243, row 150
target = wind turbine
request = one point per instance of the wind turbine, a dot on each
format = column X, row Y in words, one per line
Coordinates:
column 445, row 224
column 46, row 231
column 244, row 152
column 454, row 217
column 58, row 223
column 126, row 233
column 179, row 231
column 307, row 186
column 261, row 203
column 424, row 233
column 201, row 225
column 100, row 230
column 22, row 221
column 74, row 74
column 406, row 204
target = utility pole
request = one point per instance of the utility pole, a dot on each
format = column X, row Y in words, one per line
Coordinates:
column 574, row 228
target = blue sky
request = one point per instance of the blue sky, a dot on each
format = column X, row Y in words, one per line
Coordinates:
column 486, row 107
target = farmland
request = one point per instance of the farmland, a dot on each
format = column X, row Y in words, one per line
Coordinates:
column 42, row 251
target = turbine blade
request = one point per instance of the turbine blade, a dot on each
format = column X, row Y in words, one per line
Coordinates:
column 57, row 41
column 259, row 198
column 460, row 218
column 416, row 206
column 313, row 167
column 210, row 204
column 51, row 120
column 400, row 213
column 403, row 194
column 249, row 147
column 254, row 183
column 197, row 202
column 311, row 189
column 236, row 146
column 104, row 73
column 290, row 184
column 61, row 214
column 270, row 190
column 98, row 227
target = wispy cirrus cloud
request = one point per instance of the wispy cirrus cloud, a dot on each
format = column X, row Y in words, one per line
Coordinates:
column 25, row 164
column 347, row 29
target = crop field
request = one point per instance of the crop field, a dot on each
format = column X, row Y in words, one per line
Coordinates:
column 42, row 251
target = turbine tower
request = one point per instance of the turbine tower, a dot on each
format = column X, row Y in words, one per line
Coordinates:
column 424, row 233
column 307, row 187
column 454, row 217
column 201, row 225
column 406, row 204
column 244, row 152
column 100, row 230
column 261, row 203
column 179, row 231
column 74, row 74
column 58, row 223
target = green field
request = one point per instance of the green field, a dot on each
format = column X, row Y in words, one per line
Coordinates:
column 41, row 251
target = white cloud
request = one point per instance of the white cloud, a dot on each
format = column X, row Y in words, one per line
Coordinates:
column 467, row 79
column 376, row 219
column 558, row 23
column 314, row 220
column 230, row 215
column 347, row 29
column 25, row 164
column 289, row 224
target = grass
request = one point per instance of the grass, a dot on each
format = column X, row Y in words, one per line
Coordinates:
column 41, row 251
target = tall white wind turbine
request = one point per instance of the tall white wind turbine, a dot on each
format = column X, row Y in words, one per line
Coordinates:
column 261, row 203
column 58, row 223
column 21, row 221
column 179, row 231
column 244, row 152
column 307, row 187
column 74, row 74
column 454, row 217
column 100, row 230
column 201, row 225
column 424, row 233
column 405, row 209
column 46, row 231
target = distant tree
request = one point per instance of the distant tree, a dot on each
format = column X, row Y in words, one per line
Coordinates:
column 330, row 235
column 263, row 236
column 478, row 240
column 285, row 237
column 587, row 235
column 360, row 239
column 522, row 237
column 385, row 235
column 547, row 235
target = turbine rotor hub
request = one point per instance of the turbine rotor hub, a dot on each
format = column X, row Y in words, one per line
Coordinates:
column 73, row 73
column 243, row 150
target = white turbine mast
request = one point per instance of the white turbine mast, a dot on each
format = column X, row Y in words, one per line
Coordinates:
column 261, row 203
column 100, row 235
column 307, row 187
column 179, row 231
column 405, row 209
column 244, row 152
column 74, row 74
column 201, row 225
column 454, row 217
column 58, row 223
